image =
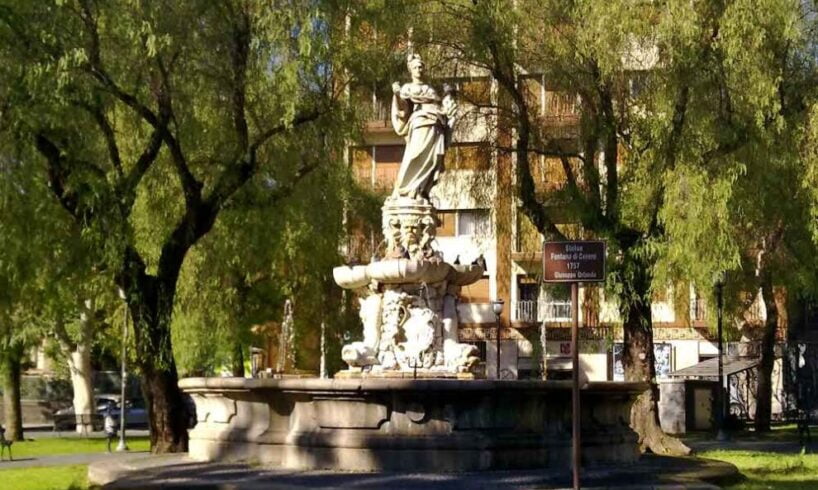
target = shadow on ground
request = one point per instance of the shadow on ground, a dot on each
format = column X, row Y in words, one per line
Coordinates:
column 179, row 472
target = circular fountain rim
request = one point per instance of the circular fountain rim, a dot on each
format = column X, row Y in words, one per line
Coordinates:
column 403, row 384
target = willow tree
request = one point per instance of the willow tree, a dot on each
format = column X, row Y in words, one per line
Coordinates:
column 657, row 87
column 745, row 214
column 29, row 247
column 204, row 96
column 259, row 255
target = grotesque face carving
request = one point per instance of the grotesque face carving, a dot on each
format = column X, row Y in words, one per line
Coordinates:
column 410, row 233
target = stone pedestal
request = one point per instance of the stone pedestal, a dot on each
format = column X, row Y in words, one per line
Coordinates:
column 409, row 299
column 408, row 425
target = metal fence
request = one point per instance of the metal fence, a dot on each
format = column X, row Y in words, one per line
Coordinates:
column 539, row 311
column 795, row 382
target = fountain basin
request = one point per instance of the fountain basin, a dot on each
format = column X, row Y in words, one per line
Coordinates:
column 375, row 424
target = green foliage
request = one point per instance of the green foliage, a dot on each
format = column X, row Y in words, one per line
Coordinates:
column 153, row 119
column 691, row 122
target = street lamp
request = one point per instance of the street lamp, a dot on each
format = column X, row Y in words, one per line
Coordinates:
column 497, row 308
column 721, row 435
column 256, row 361
column 123, row 446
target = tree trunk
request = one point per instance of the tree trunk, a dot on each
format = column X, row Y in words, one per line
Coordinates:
column 764, row 388
column 79, row 367
column 638, row 363
column 237, row 369
column 167, row 411
column 12, row 409
column 150, row 300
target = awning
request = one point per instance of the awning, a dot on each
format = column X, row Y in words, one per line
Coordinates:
column 710, row 368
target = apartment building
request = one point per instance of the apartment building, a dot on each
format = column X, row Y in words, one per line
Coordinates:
column 479, row 217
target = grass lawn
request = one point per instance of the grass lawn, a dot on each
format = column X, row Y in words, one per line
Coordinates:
column 768, row 470
column 65, row 445
column 65, row 477
column 46, row 478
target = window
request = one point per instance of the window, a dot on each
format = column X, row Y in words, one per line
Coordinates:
column 528, row 298
column 387, row 163
column 475, row 222
column 560, row 104
column 447, row 223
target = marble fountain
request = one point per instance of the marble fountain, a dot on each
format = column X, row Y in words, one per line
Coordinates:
column 410, row 399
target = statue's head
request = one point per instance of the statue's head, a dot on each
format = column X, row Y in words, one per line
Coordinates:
column 415, row 65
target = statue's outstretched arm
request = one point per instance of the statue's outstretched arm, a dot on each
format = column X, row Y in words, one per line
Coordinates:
column 400, row 111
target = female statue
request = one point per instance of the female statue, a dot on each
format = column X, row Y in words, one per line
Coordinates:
column 426, row 122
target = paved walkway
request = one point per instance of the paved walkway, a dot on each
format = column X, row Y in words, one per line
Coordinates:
column 66, row 459
column 178, row 471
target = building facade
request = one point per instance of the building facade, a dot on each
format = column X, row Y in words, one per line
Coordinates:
column 480, row 220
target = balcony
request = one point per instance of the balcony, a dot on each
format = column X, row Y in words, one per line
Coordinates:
column 560, row 126
column 532, row 311
column 378, row 117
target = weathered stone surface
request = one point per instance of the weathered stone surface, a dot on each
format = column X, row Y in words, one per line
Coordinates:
column 349, row 414
column 375, row 424
column 409, row 315
column 139, row 471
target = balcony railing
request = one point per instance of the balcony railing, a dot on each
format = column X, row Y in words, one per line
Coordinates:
column 539, row 311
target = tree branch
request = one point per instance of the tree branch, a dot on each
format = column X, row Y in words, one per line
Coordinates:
column 96, row 70
column 535, row 211
column 143, row 163
column 239, row 55
column 671, row 152
column 191, row 187
column 264, row 136
column 99, row 117
column 57, row 175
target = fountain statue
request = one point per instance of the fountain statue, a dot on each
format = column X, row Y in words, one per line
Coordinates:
column 374, row 416
column 408, row 299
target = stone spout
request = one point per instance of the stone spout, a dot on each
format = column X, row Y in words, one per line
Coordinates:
column 405, row 271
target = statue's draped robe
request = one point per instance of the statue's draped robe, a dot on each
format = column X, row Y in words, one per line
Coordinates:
column 424, row 126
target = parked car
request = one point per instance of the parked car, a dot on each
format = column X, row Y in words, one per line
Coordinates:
column 135, row 413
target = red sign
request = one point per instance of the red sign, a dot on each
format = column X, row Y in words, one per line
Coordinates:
column 580, row 261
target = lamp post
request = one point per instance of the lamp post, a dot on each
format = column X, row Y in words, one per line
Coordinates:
column 721, row 435
column 497, row 308
column 123, row 446
column 256, row 362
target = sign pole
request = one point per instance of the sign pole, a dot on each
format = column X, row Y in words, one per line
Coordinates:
column 575, row 381
column 574, row 262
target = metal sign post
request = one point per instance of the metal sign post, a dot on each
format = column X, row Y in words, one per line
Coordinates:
column 574, row 262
